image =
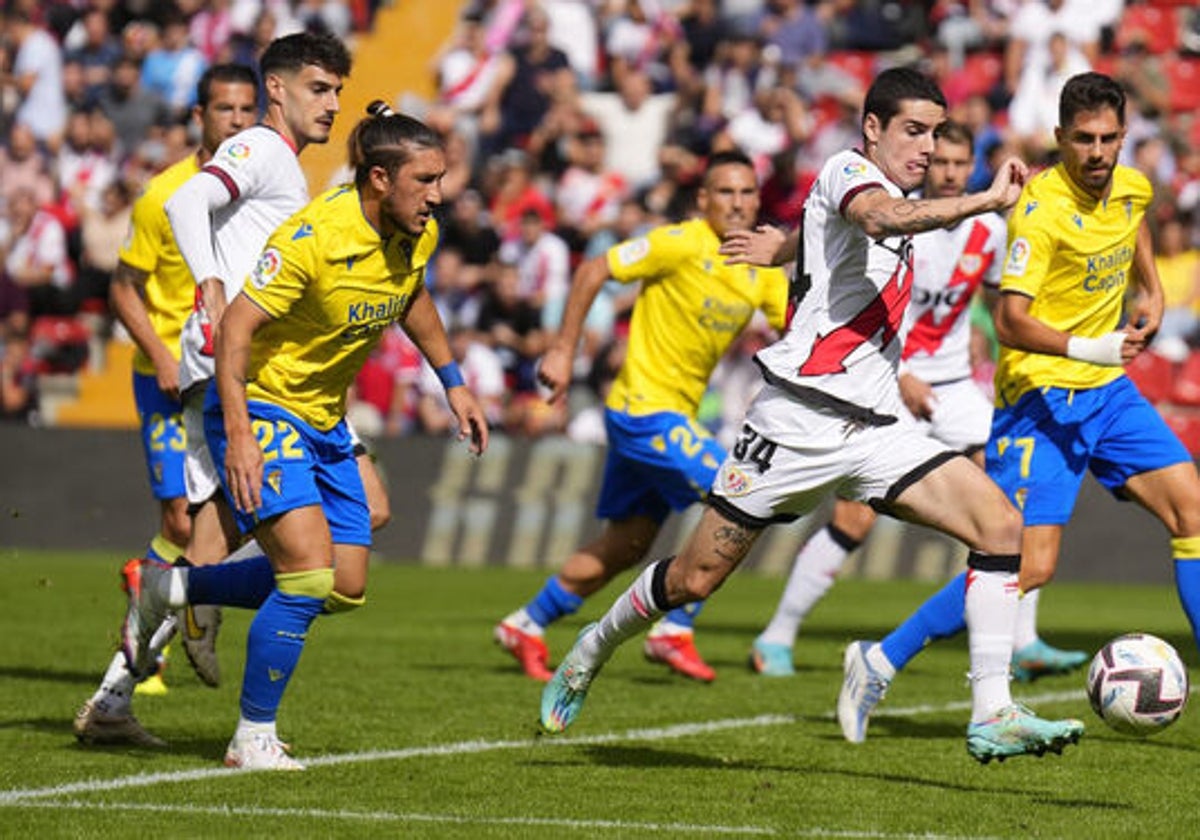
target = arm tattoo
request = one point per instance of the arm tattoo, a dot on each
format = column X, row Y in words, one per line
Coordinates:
column 913, row 216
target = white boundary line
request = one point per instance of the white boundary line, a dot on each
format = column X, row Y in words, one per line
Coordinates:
column 53, row 797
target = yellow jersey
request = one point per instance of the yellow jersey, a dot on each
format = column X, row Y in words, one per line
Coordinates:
column 332, row 286
column 1072, row 254
column 690, row 309
column 150, row 246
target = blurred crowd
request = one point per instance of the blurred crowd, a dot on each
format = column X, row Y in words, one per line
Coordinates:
column 570, row 125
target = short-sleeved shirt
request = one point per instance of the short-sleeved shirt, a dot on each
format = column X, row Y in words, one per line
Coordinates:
column 1072, row 254
column 842, row 348
column 266, row 184
column 949, row 266
column 150, row 246
column 332, row 286
column 690, row 309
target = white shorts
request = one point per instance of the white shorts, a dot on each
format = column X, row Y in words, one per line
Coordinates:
column 762, row 481
column 200, row 475
column 962, row 416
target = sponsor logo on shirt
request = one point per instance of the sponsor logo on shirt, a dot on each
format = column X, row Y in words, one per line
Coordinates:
column 1018, row 257
column 266, row 268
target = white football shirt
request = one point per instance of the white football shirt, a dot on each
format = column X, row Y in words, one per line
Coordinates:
column 948, row 267
column 842, row 348
column 265, row 185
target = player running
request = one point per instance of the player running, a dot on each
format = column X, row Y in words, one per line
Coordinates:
column 690, row 309
column 830, row 417
column 152, row 294
column 949, row 266
column 1077, row 240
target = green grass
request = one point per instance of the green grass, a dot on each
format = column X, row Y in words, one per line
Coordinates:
column 379, row 691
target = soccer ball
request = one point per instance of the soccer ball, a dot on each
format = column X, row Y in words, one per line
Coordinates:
column 1137, row 684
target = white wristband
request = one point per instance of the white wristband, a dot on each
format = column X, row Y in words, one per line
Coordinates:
column 1105, row 350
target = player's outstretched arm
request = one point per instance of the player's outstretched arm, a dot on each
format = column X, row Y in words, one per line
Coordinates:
column 881, row 215
column 554, row 370
column 243, row 457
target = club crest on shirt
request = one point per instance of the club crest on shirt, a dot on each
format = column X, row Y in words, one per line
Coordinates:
column 266, row 268
column 1018, row 257
column 734, row 482
column 970, row 264
column 630, row 252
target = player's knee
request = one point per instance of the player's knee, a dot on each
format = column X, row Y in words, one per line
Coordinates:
column 700, row 584
column 381, row 515
column 1000, row 533
column 338, row 602
column 311, row 583
column 1035, row 573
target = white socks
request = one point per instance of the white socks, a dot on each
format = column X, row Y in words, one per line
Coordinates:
column 991, row 612
column 632, row 613
column 812, row 575
column 1025, row 630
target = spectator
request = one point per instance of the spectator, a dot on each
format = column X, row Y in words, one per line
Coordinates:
column 1027, row 53
column 1142, row 74
column 23, row 167
column 641, row 39
column 573, row 29
column 18, row 380
column 731, row 82
column 465, row 71
column 37, row 259
column 483, row 375
column 468, row 230
column 543, row 263
column 132, row 110
column 529, row 82
column 331, row 16
column 1178, row 265
column 798, row 29
column 511, row 326
column 96, row 55
column 634, row 121
column 172, row 69
column 778, row 121
column 103, row 229
column 210, row 29
column 588, row 197
column 1033, row 112
column 702, row 29
column 514, row 192
column 36, row 77
column 86, row 162
column 385, row 390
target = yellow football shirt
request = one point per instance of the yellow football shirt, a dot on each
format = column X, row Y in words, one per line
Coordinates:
column 1073, row 255
column 690, row 309
column 150, row 246
column 332, row 286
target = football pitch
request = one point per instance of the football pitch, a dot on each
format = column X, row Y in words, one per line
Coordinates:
column 413, row 724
